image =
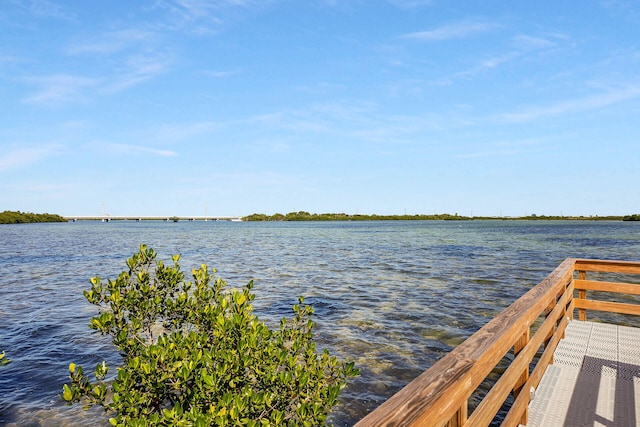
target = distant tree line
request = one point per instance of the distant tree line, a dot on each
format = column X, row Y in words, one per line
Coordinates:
column 534, row 217
column 17, row 217
column 634, row 217
column 306, row 216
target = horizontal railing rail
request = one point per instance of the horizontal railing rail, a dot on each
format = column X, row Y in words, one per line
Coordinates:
column 583, row 285
column 440, row 395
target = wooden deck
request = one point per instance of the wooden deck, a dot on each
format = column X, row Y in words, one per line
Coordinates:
column 593, row 381
column 547, row 371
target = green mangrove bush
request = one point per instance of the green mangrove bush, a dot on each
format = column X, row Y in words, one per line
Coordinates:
column 194, row 354
column 17, row 217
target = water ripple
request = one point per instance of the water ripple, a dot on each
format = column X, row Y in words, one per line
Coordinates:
column 392, row 296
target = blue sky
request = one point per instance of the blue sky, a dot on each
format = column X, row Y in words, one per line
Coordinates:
column 230, row 107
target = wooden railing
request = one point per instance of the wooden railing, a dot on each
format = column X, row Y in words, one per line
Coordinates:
column 530, row 328
column 583, row 285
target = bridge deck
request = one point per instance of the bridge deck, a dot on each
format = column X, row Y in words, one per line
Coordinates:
column 594, row 380
column 108, row 218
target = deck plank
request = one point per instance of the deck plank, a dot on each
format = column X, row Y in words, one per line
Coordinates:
column 594, row 380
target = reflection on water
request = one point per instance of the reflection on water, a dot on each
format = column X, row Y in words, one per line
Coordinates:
column 392, row 296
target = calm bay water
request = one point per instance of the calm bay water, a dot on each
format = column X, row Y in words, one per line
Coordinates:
column 391, row 296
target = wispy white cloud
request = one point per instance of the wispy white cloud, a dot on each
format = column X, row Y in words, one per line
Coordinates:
column 191, row 10
column 482, row 66
column 571, row 106
column 521, row 48
column 243, row 3
column 494, row 62
column 625, row 8
column 488, row 154
column 458, row 30
column 22, row 157
column 196, row 16
column 410, row 4
column 203, row 16
column 138, row 69
column 134, row 149
column 48, row 190
column 9, row 60
column 352, row 121
column 325, row 118
column 44, row 8
column 115, row 41
column 526, row 42
column 137, row 53
column 62, row 89
column 182, row 132
column 500, row 149
column 59, row 89
column 219, row 74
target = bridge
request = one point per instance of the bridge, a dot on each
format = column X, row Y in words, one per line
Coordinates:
column 109, row 218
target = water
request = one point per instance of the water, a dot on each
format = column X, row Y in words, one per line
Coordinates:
column 392, row 296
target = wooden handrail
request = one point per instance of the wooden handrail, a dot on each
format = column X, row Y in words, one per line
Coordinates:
column 629, row 267
column 440, row 395
column 583, row 285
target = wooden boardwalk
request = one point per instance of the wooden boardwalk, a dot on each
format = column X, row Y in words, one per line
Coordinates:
column 561, row 372
column 593, row 381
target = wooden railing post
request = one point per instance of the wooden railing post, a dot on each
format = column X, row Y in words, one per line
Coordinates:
column 517, row 387
column 549, row 336
column 582, row 294
column 459, row 419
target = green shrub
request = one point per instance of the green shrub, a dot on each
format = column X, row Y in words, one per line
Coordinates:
column 194, row 354
column 17, row 217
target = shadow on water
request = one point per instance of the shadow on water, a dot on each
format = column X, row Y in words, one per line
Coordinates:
column 326, row 308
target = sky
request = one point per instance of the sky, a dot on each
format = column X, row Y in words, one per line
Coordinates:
column 234, row 107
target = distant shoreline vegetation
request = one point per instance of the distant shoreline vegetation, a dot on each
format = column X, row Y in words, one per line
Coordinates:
column 306, row 216
column 17, row 217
